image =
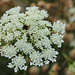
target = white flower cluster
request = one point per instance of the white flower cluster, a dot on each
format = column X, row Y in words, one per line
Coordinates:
column 28, row 36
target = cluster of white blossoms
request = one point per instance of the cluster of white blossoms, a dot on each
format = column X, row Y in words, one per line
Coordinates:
column 29, row 36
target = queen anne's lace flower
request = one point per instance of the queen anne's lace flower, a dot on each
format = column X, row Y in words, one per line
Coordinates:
column 18, row 62
column 8, row 51
column 36, row 59
column 8, row 37
column 57, row 39
column 49, row 55
column 29, row 36
column 59, row 27
column 13, row 11
column 45, row 42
